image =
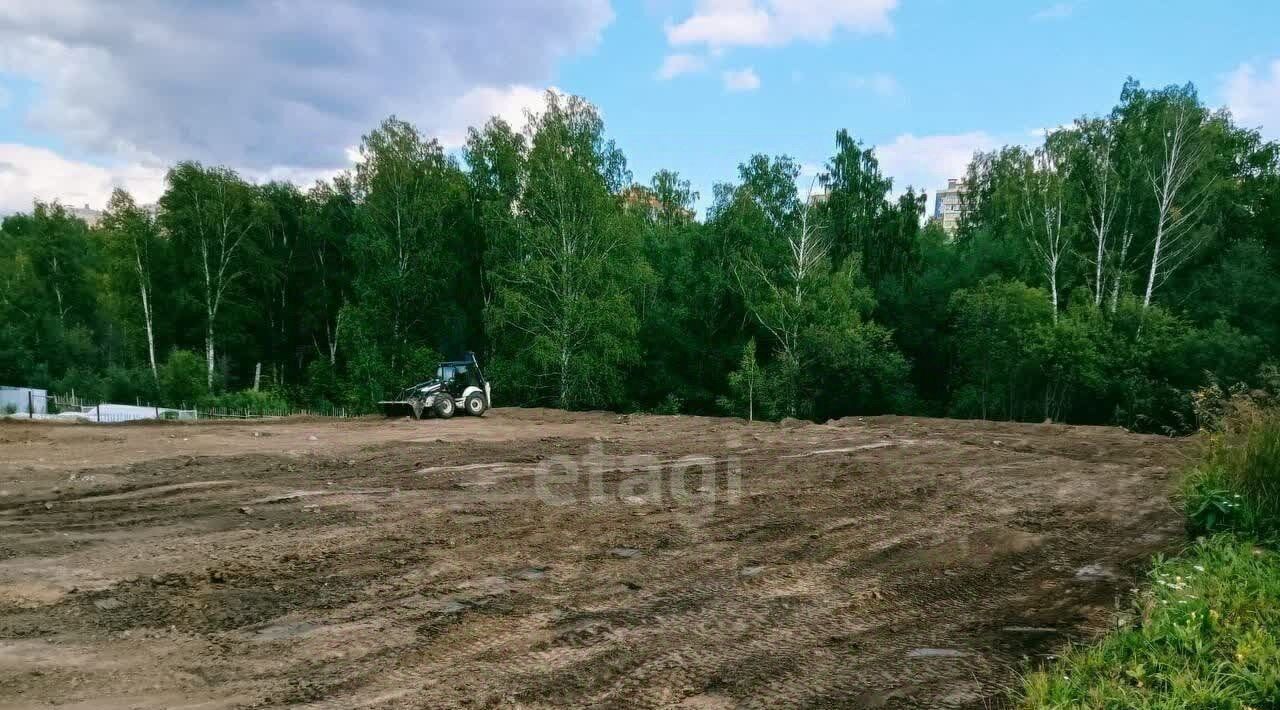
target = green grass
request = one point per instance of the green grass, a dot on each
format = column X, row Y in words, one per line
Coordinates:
column 1208, row 638
column 1207, row 635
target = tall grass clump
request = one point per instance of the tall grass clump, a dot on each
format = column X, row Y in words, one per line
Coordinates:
column 1236, row 487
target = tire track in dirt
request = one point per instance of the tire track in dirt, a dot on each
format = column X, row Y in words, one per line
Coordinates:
column 884, row 562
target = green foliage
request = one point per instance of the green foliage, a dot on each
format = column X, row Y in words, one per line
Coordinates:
column 411, row 197
column 745, row 384
column 1237, row 487
column 182, row 379
column 996, row 375
column 249, row 401
column 580, row 288
column 562, row 321
column 125, row 385
column 671, row 404
column 1207, row 636
column 1207, row 631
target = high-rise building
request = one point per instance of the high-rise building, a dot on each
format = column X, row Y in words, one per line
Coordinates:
column 90, row 216
column 948, row 206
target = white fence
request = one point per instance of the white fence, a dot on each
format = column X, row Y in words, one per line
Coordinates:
column 37, row 404
column 23, row 400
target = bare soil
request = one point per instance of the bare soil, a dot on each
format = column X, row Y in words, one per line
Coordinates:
column 867, row 563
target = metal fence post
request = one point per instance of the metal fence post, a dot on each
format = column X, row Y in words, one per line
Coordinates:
column 31, row 405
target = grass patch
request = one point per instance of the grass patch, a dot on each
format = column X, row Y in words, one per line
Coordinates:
column 1207, row 635
column 1208, row 638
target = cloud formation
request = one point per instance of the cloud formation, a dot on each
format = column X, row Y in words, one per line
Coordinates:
column 28, row 173
column 741, row 80
column 279, row 85
column 1057, row 11
column 1253, row 95
column 772, row 23
column 673, row 65
column 877, row 83
column 925, row 162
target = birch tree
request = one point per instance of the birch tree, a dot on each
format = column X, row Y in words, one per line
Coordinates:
column 562, row 321
column 330, row 226
column 1180, row 195
column 1043, row 209
column 134, row 239
column 776, row 293
column 411, row 203
column 495, row 156
column 210, row 214
column 1101, row 183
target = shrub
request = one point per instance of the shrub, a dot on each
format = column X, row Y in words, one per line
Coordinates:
column 251, row 401
column 126, row 385
column 671, row 404
column 85, row 383
column 183, row 378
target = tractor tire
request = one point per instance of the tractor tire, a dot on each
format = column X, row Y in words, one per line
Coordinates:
column 476, row 406
column 444, row 407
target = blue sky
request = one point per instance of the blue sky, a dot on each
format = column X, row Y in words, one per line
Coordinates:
column 91, row 97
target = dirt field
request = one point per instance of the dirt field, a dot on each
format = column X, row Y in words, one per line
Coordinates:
column 886, row 562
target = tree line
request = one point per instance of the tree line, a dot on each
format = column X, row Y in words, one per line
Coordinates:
column 1105, row 276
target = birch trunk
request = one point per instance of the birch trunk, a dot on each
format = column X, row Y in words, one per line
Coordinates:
column 1177, row 212
column 146, row 313
column 1042, row 213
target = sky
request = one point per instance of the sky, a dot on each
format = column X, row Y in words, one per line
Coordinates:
column 96, row 94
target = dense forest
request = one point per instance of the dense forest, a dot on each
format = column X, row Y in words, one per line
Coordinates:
column 1108, row 275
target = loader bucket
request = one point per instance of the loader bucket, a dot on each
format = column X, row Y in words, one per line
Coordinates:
column 396, row 408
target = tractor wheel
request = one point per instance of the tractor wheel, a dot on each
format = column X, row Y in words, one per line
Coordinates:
column 444, row 406
column 476, row 405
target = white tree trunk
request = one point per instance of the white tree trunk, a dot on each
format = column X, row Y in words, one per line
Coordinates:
column 1053, row 288
column 1042, row 214
column 208, row 352
column 146, row 315
column 1175, row 238
column 1155, row 262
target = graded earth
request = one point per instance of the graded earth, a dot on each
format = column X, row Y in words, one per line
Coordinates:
column 883, row 562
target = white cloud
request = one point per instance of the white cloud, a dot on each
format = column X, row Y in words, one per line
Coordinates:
column 1043, row 132
column 1253, row 95
column 878, row 83
column 925, row 162
column 741, row 80
column 1057, row 11
column 772, row 23
column 477, row 106
column 676, row 64
column 28, row 173
column 256, row 85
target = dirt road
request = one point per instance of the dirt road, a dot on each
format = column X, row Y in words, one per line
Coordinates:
column 541, row 559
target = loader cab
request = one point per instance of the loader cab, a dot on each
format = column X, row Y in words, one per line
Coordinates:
column 458, row 376
column 465, row 383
